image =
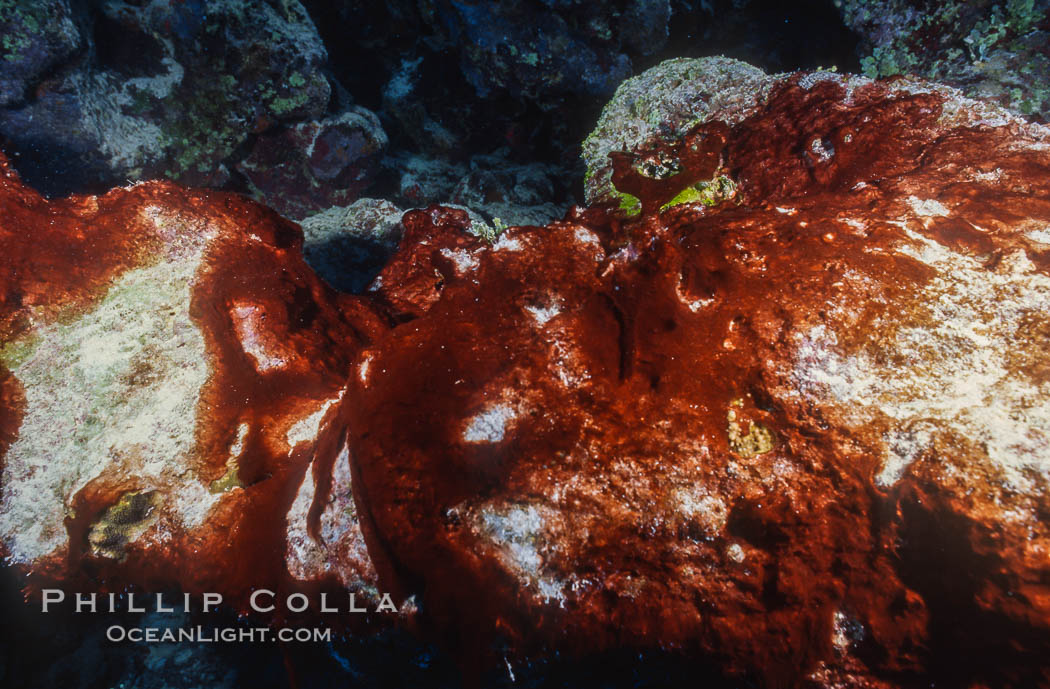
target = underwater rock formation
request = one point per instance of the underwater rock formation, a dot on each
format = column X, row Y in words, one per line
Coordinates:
column 315, row 165
column 990, row 49
column 492, row 185
column 665, row 102
column 344, row 243
column 800, row 429
column 785, row 416
column 170, row 371
column 36, row 37
column 534, row 50
column 165, row 89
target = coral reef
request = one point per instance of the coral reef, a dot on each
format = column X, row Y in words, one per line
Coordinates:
column 775, row 404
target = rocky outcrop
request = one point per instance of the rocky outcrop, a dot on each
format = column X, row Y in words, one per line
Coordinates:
column 536, row 49
column 167, row 90
column 493, row 185
column 37, row 37
column 315, row 165
column 784, row 418
column 664, row 103
column 344, row 244
column 799, row 430
column 170, row 375
column 990, row 49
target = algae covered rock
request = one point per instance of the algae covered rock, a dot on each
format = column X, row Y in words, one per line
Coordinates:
column 542, row 50
column 990, row 49
column 786, row 422
column 37, row 38
column 494, row 185
column 316, row 164
column 347, row 244
column 167, row 90
column 665, row 102
column 169, row 370
column 796, row 437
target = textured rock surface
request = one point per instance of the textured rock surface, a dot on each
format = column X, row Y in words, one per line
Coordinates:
column 535, row 49
column 344, row 243
column 665, row 102
column 36, row 37
column 166, row 90
column 493, row 185
column 317, row 164
column 803, row 433
column 404, row 100
column 997, row 50
column 170, row 368
column 517, row 194
column 210, row 93
column 786, row 420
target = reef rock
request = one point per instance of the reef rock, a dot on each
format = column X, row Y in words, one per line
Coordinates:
column 317, row 164
column 161, row 90
column 991, row 49
column 404, row 98
column 347, row 245
column 550, row 49
column 797, row 430
column 493, row 185
column 517, row 194
column 37, row 37
column 785, row 418
column 665, row 102
column 169, row 376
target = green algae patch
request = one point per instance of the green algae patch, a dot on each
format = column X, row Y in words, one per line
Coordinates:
column 230, row 480
column 757, row 440
column 489, row 233
column 630, row 205
column 16, row 352
column 709, row 193
column 122, row 523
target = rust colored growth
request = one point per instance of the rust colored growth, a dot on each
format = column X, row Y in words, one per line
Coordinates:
column 185, row 335
column 432, row 240
column 76, row 247
column 569, row 467
column 801, row 438
column 819, row 138
column 658, row 172
column 695, row 431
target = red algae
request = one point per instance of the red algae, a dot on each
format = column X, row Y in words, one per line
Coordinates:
column 656, row 174
column 275, row 348
column 799, row 438
column 610, row 433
